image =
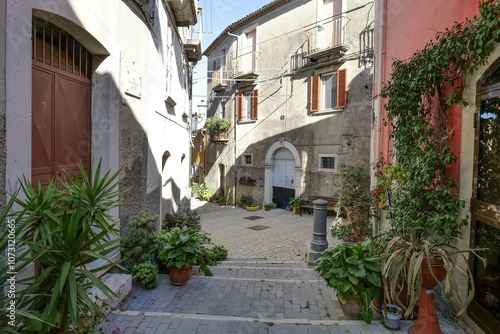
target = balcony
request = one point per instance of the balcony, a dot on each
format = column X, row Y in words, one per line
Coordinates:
column 184, row 12
column 219, row 76
column 245, row 68
column 193, row 50
column 327, row 39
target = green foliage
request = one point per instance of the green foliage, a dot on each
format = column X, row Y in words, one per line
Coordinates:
column 184, row 217
column 404, row 257
column 354, row 183
column 352, row 269
column 201, row 191
column 245, row 199
column 184, row 247
column 219, row 253
column 222, row 199
column 67, row 227
column 146, row 274
column 296, row 202
column 421, row 91
column 216, row 125
column 139, row 243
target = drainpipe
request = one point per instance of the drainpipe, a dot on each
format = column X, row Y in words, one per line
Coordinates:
column 234, row 128
column 378, row 104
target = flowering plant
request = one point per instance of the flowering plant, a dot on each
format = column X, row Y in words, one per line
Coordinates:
column 355, row 237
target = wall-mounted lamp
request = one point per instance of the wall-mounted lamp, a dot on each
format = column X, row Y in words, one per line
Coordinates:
column 368, row 59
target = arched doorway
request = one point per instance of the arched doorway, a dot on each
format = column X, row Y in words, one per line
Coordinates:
column 61, row 91
column 485, row 203
column 283, row 177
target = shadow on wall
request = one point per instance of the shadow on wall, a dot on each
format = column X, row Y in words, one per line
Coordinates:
column 345, row 134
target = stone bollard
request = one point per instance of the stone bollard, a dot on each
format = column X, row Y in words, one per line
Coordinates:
column 318, row 244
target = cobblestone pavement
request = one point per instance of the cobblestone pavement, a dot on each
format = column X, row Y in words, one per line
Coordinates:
column 263, row 287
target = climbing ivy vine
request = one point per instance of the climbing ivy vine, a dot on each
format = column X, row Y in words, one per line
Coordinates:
column 420, row 93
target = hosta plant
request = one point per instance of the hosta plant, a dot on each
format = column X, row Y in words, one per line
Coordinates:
column 184, row 247
column 352, row 268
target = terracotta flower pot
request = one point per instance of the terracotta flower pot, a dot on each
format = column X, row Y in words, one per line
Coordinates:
column 298, row 211
column 352, row 308
column 179, row 276
column 222, row 203
column 267, row 208
column 427, row 320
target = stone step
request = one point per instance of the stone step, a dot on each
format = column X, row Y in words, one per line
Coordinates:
column 264, row 264
column 267, row 273
column 120, row 284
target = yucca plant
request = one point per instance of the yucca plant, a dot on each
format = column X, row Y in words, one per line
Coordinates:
column 59, row 295
column 13, row 227
column 402, row 261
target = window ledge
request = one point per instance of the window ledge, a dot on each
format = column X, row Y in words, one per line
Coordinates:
column 327, row 112
column 247, row 121
column 327, row 170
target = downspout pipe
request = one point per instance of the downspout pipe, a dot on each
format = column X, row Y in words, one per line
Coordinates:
column 378, row 104
column 234, row 129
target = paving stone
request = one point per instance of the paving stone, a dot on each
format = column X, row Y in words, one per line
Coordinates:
column 264, row 287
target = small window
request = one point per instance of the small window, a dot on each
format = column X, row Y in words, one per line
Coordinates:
column 247, row 159
column 329, row 91
column 223, row 109
column 248, row 105
column 327, row 162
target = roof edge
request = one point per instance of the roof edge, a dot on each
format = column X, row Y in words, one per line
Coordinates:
column 241, row 22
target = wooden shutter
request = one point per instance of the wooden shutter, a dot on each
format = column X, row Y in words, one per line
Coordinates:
column 341, row 88
column 315, row 93
column 240, row 106
column 255, row 104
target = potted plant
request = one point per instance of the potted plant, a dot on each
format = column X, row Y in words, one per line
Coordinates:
column 267, row 207
column 217, row 127
column 245, row 200
column 353, row 269
column 273, row 205
column 422, row 264
column 353, row 183
column 392, row 316
column 247, row 180
column 180, row 249
column 222, row 200
column 253, row 207
column 295, row 203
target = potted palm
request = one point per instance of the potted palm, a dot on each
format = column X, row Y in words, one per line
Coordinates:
column 180, row 249
column 295, row 204
column 353, row 269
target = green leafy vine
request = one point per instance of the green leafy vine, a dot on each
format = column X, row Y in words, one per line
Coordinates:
column 421, row 93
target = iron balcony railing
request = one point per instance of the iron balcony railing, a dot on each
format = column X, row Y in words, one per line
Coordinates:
column 245, row 63
column 326, row 35
column 219, row 77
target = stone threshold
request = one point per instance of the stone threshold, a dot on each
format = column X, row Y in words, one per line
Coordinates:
column 261, row 268
column 257, row 279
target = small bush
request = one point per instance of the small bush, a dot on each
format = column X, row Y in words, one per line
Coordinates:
column 146, row 274
column 220, row 253
column 245, row 199
column 184, row 217
column 140, row 242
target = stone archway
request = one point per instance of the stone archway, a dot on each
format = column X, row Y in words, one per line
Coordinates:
column 269, row 168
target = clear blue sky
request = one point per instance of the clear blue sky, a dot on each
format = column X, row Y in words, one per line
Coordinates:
column 217, row 15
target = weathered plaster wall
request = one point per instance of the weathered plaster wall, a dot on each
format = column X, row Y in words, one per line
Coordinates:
column 3, row 162
column 132, row 132
column 284, row 93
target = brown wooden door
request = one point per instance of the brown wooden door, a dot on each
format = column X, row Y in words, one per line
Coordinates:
column 61, row 88
column 61, row 130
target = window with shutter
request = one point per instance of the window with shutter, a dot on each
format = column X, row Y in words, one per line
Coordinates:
column 248, row 105
column 329, row 91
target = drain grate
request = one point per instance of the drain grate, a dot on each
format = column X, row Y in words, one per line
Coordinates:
column 258, row 227
column 253, row 217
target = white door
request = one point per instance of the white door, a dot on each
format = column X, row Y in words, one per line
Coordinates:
column 284, row 177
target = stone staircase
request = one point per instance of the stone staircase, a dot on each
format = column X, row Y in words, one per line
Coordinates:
column 244, row 295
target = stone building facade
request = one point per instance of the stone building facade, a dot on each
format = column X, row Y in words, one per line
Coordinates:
column 99, row 80
column 295, row 78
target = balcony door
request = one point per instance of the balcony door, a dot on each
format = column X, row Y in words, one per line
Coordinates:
column 485, row 232
column 250, row 47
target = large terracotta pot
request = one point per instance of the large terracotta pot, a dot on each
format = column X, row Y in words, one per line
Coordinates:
column 298, row 211
column 352, row 308
column 179, row 276
column 427, row 321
